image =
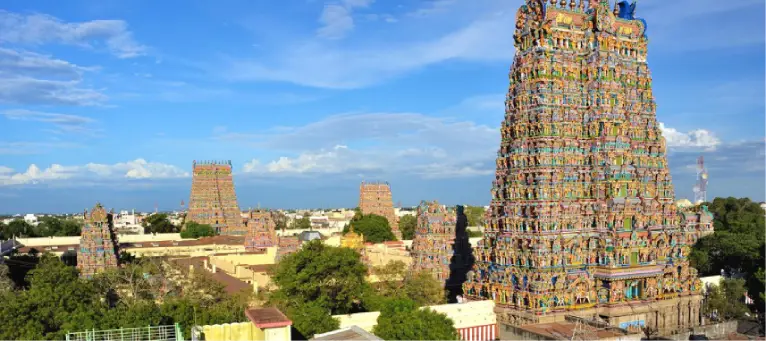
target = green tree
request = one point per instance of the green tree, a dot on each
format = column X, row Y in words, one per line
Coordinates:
column 737, row 245
column 18, row 228
column 196, row 230
column 408, row 224
column 311, row 318
column 395, row 280
column 6, row 283
column 475, row 215
column 301, row 224
column 726, row 300
column 375, row 228
column 401, row 319
column 158, row 223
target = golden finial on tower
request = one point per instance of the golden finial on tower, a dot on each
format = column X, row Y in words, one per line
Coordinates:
column 582, row 5
column 572, row 4
column 616, row 9
column 563, row 4
column 553, row 3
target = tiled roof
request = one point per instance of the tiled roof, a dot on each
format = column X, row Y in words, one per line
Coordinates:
column 260, row 267
column 350, row 333
column 267, row 318
column 232, row 285
column 217, row 240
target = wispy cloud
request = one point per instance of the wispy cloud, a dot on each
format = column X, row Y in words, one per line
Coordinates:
column 32, row 148
column 62, row 123
column 37, row 29
column 337, row 18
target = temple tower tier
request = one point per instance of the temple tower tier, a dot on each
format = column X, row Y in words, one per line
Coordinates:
column 375, row 198
column 98, row 243
column 261, row 230
column 432, row 247
column 213, row 200
column 582, row 218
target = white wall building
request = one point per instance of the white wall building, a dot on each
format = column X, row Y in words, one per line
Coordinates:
column 31, row 219
column 128, row 222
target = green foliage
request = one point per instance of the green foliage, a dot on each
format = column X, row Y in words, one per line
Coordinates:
column 475, row 215
column 737, row 245
column 196, row 230
column 400, row 319
column 375, row 228
column 474, row 234
column 58, row 301
column 6, row 284
column 395, row 280
column 319, row 280
column 303, row 223
column 726, row 299
column 407, row 225
column 46, row 227
column 158, row 223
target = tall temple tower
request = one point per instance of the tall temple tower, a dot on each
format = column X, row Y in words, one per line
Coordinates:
column 432, row 247
column 582, row 219
column 261, row 230
column 98, row 245
column 375, row 198
column 213, row 200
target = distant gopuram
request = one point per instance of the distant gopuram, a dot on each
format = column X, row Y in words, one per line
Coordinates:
column 261, row 230
column 213, row 200
column 582, row 219
column 375, row 198
column 432, row 245
column 98, row 249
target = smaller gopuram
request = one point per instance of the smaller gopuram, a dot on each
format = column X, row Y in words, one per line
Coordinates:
column 375, row 198
column 287, row 245
column 261, row 233
column 98, row 246
column 435, row 234
column 213, row 200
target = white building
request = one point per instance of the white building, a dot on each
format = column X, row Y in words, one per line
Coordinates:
column 31, row 219
column 128, row 222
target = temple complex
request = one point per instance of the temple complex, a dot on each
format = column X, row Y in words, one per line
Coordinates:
column 213, row 200
column 261, row 233
column 375, row 198
column 98, row 250
column 432, row 245
column 582, row 220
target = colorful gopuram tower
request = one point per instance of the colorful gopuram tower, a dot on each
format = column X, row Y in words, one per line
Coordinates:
column 375, row 198
column 432, row 245
column 213, row 200
column 287, row 245
column 582, row 219
column 98, row 250
column 261, row 233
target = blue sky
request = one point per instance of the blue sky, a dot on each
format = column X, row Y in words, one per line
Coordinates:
column 111, row 101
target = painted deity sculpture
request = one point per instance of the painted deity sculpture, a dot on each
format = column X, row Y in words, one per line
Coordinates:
column 581, row 213
column 432, row 246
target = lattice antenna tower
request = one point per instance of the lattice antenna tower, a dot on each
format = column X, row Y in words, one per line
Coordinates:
column 700, row 187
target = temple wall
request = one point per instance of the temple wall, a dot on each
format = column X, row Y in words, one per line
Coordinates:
column 245, row 331
column 718, row 331
column 464, row 315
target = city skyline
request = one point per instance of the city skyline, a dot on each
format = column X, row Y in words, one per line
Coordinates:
column 310, row 100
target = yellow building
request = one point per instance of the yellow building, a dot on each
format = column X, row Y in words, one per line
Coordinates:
column 353, row 240
column 265, row 324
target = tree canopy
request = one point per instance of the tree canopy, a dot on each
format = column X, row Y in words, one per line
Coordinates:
column 725, row 300
column 46, row 227
column 737, row 246
column 400, row 319
column 316, row 282
column 58, row 301
column 158, row 223
column 395, row 280
column 407, row 225
column 197, row 230
column 374, row 227
column 303, row 223
column 475, row 215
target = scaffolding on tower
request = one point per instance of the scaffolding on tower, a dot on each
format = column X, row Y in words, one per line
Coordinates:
column 700, row 187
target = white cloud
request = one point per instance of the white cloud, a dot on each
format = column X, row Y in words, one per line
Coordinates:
column 474, row 31
column 37, row 29
column 337, row 18
column 33, row 78
column 63, row 123
column 698, row 138
column 136, row 169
